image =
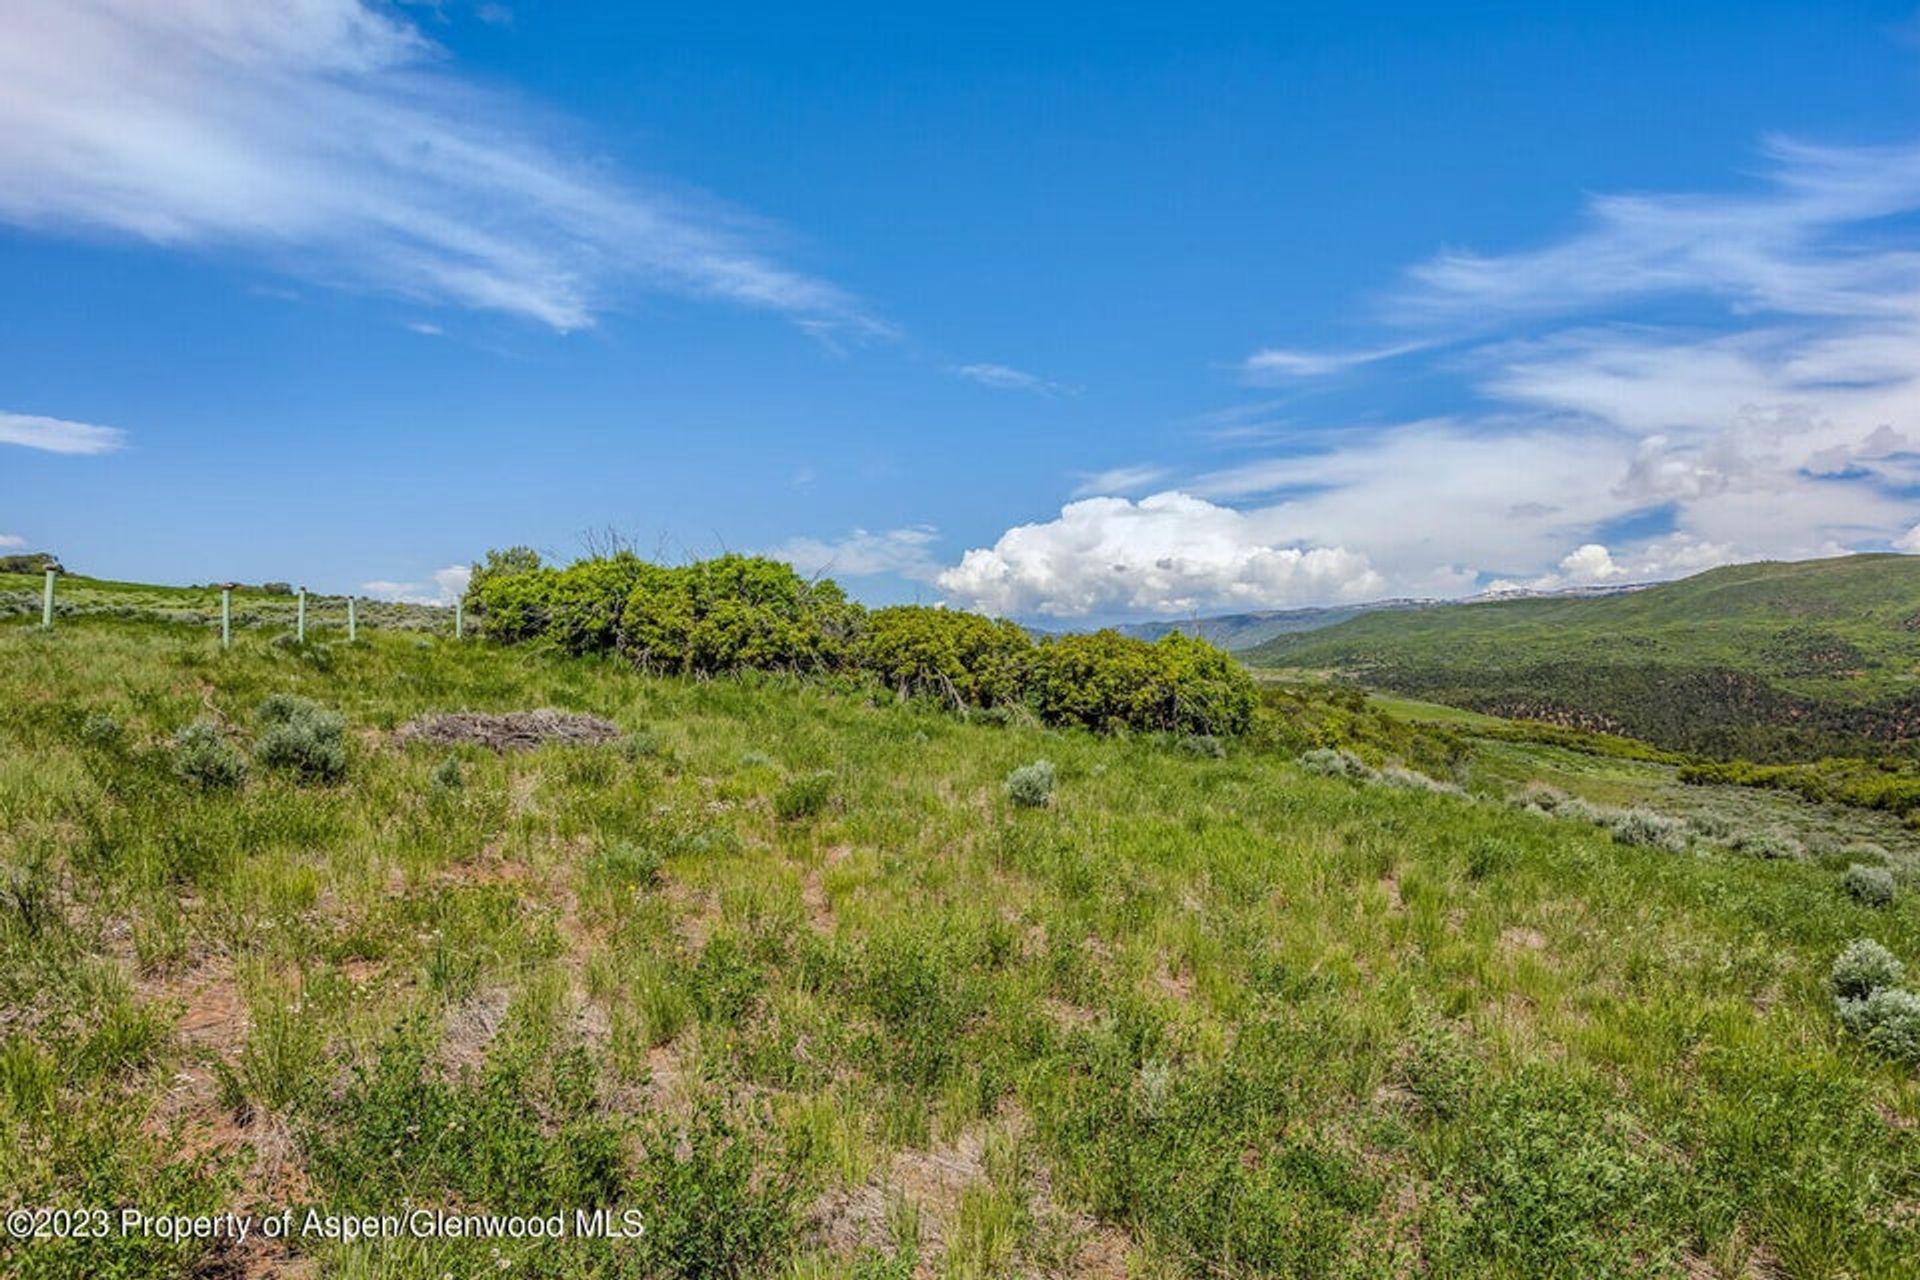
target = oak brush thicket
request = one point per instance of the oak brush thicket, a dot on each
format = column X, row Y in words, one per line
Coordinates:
column 746, row 613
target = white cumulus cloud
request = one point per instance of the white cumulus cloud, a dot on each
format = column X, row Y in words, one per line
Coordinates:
column 442, row 587
column 1168, row 553
column 332, row 139
column 1591, row 563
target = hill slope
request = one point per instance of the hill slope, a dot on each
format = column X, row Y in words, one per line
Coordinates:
column 1245, row 631
column 1766, row 660
column 866, row 1017
column 79, row 596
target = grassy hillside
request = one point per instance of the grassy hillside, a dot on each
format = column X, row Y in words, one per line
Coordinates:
column 785, row 969
column 1761, row 660
column 78, row 596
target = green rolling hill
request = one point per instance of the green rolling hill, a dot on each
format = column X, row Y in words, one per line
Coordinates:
column 1769, row 661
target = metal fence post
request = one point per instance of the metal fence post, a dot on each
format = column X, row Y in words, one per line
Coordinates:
column 46, row 601
column 226, row 617
column 300, row 619
column 353, row 632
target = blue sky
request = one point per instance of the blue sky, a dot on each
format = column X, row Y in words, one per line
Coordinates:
column 1053, row 311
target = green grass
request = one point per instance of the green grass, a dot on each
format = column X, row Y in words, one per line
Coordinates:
column 78, row 596
column 787, row 972
column 1431, row 712
column 1769, row 660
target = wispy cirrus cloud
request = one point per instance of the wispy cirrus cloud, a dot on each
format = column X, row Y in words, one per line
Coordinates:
column 12, row 541
column 1281, row 364
column 907, row 552
column 57, row 435
column 1800, row 244
column 1120, row 480
column 1006, row 378
column 332, row 139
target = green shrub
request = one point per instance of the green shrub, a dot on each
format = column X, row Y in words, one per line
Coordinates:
column 449, row 776
column 736, row 613
column 1395, row 775
column 1542, row 796
column 1643, row 826
column 1562, row 1185
column 1031, row 785
column 511, row 604
column 1001, row 716
column 1293, row 718
column 1204, row 745
column 1776, row 846
column 587, row 600
column 1713, row 826
column 628, row 864
column 302, row 738
column 203, row 756
column 1438, row 1071
column 1107, row 681
column 803, row 797
column 712, row 1213
column 1864, row 968
column 641, row 745
column 1872, row 886
column 1578, row 809
column 282, row 708
column 100, row 729
column 963, row 659
column 27, row 899
column 1888, row 1020
column 1337, row 762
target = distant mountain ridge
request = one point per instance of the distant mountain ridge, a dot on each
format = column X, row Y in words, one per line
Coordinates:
column 1771, row 660
column 1238, row 632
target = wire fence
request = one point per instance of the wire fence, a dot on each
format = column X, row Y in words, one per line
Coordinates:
column 258, row 608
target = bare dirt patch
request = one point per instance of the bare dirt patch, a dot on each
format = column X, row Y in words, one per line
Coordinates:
column 1522, row 938
column 1390, row 889
column 508, row 731
column 471, row 1027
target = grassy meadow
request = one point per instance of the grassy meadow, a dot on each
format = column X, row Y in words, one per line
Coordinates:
column 786, row 969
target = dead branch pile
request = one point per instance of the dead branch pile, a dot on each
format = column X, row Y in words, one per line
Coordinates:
column 515, row 730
